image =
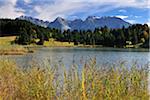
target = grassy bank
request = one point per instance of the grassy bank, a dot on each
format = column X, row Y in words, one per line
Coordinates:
column 92, row 83
column 12, row 50
column 53, row 43
column 8, row 40
column 7, row 47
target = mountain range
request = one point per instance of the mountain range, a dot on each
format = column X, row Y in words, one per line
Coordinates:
column 90, row 23
column 34, row 21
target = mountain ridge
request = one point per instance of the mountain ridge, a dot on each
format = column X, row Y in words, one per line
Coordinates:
column 90, row 23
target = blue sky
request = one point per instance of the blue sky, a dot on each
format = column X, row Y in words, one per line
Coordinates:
column 133, row 11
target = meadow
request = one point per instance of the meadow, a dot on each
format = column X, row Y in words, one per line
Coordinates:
column 92, row 82
column 8, row 46
column 54, row 43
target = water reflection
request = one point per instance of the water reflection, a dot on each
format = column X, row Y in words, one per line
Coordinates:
column 79, row 56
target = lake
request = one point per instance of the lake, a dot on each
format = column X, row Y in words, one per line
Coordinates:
column 79, row 56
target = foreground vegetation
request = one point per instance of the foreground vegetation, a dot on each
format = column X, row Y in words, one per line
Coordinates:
column 91, row 83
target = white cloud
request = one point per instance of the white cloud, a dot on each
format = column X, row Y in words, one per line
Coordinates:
column 12, row 2
column 132, row 21
column 122, row 10
column 64, row 8
column 27, row 1
column 122, row 16
column 122, row 3
column 137, row 16
column 38, row 9
column 148, row 22
column 8, row 10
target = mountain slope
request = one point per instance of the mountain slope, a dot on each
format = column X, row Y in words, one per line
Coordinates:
column 59, row 23
column 34, row 21
column 90, row 23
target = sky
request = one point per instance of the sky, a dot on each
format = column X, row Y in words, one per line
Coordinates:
column 133, row 11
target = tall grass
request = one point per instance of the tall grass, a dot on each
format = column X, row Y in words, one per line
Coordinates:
column 92, row 83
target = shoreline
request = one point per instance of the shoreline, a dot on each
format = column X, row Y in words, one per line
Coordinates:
column 32, row 48
column 14, row 50
column 6, row 47
column 99, row 48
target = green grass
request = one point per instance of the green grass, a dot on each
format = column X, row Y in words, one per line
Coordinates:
column 12, row 50
column 92, row 83
column 54, row 43
column 7, row 47
column 7, row 40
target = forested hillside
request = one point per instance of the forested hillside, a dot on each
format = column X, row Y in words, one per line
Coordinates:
column 27, row 33
column 135, row 35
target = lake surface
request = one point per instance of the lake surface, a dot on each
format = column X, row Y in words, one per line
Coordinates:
column 79, row 56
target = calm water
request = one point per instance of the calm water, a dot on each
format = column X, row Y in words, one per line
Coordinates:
column 79, row 56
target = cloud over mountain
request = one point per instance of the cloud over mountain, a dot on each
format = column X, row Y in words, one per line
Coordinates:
column 50, row 9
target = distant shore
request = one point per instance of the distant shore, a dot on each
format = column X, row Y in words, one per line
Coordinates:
column 97, row 48
column 6, row 47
